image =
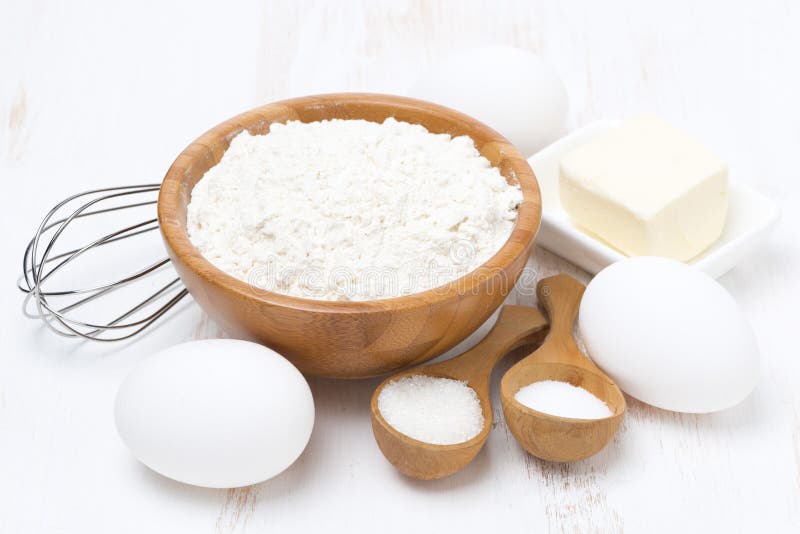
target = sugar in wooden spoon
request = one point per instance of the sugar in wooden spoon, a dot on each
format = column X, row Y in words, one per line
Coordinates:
column 516, row 326
column 547, row 436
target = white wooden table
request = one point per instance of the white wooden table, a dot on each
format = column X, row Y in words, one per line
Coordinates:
column 96, row 93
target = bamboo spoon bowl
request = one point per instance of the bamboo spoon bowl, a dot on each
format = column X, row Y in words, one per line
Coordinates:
column 349, row 339
column 516, row 326
column 550, row 437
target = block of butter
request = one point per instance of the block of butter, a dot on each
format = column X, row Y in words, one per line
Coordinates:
column 647, row 189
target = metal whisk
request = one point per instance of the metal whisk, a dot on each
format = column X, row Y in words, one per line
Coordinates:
column 42, row 261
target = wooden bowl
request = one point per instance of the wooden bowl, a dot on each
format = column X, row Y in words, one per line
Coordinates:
column 349, row 339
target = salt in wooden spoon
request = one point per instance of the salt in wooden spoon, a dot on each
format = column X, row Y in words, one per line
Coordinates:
column 560, row 439
column 516, row 326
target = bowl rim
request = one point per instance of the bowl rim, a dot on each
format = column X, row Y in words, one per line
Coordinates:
column 176, row 237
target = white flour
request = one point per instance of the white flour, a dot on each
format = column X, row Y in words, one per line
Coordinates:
column 350, row 209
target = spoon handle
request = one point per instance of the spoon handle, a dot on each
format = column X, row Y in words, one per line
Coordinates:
column 560, row 296
column 515, row 326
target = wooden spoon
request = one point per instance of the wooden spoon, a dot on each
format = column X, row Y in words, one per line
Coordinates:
column 560, row 439
column 516, row 326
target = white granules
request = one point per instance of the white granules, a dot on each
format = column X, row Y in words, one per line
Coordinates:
column 442, row 411
column 562, row 399
column 351, row 209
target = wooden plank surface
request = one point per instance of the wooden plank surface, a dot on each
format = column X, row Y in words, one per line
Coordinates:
column 93, row 93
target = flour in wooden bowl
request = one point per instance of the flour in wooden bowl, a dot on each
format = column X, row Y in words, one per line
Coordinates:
column 351, row 209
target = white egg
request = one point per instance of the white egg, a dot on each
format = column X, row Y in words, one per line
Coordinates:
column 219, row 413
column 513, row 91
column 669, row 335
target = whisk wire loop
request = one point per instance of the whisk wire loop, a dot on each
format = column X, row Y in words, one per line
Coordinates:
column 39, row 265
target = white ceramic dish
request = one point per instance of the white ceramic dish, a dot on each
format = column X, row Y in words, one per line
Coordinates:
column 750, row 216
